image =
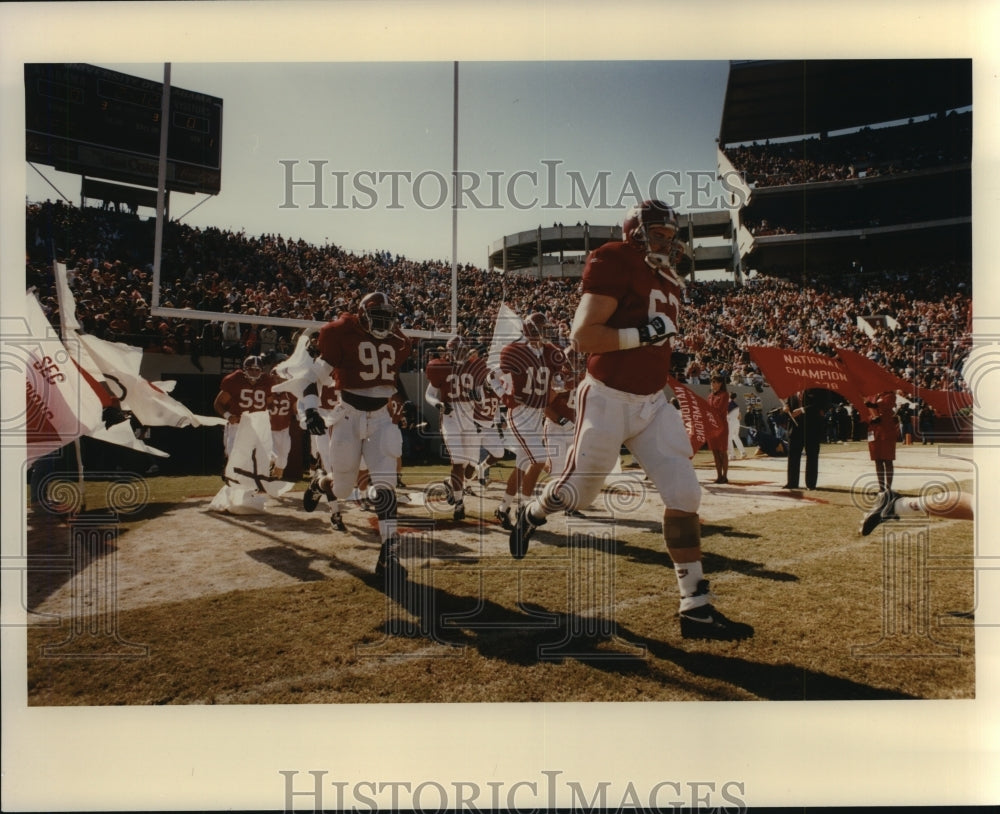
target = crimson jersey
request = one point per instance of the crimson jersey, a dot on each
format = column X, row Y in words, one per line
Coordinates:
column 281, row 407
column 328, row 398
column 397, row 409
column 619, row 270
column 457, row 382
column 562, row 405
column 246, row 396
column 532, row 371
column 361, row 361
column 484, row 411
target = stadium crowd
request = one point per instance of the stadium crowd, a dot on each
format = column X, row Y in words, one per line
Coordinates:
column 865, row 153
column 920, row 331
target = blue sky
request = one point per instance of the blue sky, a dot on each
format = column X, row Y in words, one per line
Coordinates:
column 540, row 142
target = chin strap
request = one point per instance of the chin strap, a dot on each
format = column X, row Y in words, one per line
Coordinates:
column 660, row 263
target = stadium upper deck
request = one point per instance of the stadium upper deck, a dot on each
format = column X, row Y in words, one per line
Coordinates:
column 827, row 203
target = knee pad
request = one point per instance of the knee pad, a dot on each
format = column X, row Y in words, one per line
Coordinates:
column 683, row 531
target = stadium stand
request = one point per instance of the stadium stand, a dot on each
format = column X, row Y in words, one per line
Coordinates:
column 860, row 240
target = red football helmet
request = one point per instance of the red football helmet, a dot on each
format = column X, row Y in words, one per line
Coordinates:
column 252, row 369
column 458, row 349
column 663, row 250
column 535, row 326
column 377, row 314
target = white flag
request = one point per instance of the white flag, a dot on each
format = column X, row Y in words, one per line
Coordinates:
column 150, row 404
column 508, row 328
column 60, row 405
column 248, row 480
column 300, row 370
column 120, row 433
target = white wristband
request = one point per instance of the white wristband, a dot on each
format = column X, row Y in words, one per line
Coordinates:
column 226, row 415
column 308, row 402
column 628, row 338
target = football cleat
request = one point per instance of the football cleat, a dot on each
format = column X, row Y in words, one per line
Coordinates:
column 312, row 494
column 388, row 560
column 705, row 622
column 884, row 510
column 503, row 515
column 481, row 473
column 459, row 513
column 337, row 521
column 524, row 527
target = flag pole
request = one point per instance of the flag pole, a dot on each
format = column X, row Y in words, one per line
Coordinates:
column 161, row 184
column 454, row 206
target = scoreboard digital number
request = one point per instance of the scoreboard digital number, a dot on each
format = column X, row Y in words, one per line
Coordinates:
column 88, row 120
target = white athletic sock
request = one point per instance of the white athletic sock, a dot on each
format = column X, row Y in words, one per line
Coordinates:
column 387, row 528
column 689, row 574
column 505, row 502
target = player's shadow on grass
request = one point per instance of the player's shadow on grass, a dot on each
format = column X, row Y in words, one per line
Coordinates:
column 644, row 555
column 532, row 635
column 289, row 561
column 772, row 682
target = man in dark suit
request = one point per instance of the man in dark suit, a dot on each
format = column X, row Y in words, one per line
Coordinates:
column 806, row 412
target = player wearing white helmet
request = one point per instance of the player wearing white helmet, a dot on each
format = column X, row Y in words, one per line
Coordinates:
column 364, row 352
column 627, row 314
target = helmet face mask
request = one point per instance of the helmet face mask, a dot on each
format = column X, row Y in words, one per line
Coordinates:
column 377, row 315
column 652, row 226
column 252, row 369
column 535, row 327
column 458, row 349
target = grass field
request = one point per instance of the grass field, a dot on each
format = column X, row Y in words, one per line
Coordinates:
column 205, row 608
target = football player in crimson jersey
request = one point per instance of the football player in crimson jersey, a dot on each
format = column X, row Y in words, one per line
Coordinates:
column 454, row 383
column 560, row 416
column 365, row 352
column 529, row 369
column 246, row 390
column 629, row 309
column 485, row 414
column 282, row 409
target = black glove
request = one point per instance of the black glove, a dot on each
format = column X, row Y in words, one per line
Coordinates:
column 657, row 329
column 445, row 408
column 314, row 422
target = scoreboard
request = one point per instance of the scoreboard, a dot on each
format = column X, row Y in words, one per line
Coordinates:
column 88, row 120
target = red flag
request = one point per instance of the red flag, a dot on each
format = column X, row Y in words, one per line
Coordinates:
column 789, row 371
column 699, row 420
column 872, row 378
column 946, row 402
